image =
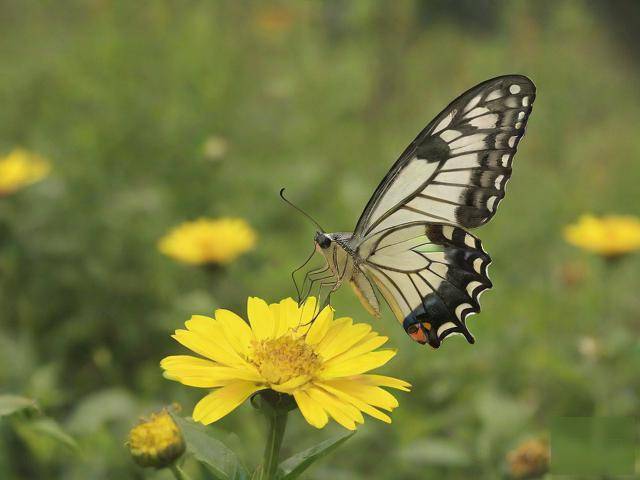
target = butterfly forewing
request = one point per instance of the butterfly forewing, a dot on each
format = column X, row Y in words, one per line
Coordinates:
column 456, row 169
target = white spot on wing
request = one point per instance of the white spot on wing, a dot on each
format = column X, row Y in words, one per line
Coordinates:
column 462, row 177
column 494, row 95
column 491, row 203
column 470, row 241
column 444, row 123
column 484, row 121
column 512, row 141
column 444, row 327
column 477, row 112
column 439, row 269
column 477, row 265
column 472, row 286
column 521, row 115
column 447, row 232
column 514, row 89
column 469, row 160
column 525, row 101
column 474, row 101
column 460, row 308
column 475, row 142
column 498, row 181
column 505, row 160
column 410, row 179
column 449, row 135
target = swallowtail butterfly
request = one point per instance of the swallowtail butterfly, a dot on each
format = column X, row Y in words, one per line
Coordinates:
column 412, row 242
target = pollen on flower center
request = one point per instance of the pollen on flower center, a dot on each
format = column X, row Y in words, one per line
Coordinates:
column 281, row 359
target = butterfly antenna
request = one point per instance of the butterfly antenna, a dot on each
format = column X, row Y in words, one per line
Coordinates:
column 300, row 210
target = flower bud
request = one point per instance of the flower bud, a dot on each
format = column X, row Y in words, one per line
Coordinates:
column 529, row 460
column 156, row 441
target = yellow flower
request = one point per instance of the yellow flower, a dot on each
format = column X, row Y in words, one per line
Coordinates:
column 529, row 460
column 156, row 441
column 609, row 236
column 322, row 364
column 21, row 168
column 207, row 241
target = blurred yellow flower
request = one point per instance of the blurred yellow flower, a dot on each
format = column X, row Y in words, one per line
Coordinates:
column 529, row 460
column 208, row 241
column 322, row 363
column 21, row 168
column 156, row 441
column 609, row 236
column 274, row 20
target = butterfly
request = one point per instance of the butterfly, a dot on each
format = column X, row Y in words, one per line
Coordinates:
column 411, row 243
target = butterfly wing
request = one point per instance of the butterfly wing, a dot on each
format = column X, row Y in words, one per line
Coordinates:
column 456, row 169
column 429, row 274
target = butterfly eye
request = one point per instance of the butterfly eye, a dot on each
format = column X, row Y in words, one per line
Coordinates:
column 412, row 329
column 324, row 241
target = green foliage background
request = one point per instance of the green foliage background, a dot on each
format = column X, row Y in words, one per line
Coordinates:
column 321, row 98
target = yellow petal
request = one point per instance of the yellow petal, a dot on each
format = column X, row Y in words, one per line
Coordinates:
column 365, row 345
column 320, row 327
column 260, row 318
column 348, row 337
column 375, row 396
column 288, row 317
column 235, row 329
column 308, row 310
column 223, row 400
column 336, row 328
column 198, row 372
column 384, row 381
column 277, row 319
column 291, row 385
column 346, row 415
column 356, row 402
column 212, row 330
column 290, row 313
column 186, row 361
column 311, row 410
column 207, row 347
column 358, row 365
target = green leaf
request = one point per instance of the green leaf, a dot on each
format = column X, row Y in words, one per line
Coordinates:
column 10, row 404
column 100, row 408
column 52, row 429
column 221, row 461
column 294, row 466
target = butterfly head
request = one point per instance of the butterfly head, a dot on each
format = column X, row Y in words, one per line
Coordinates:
column 323, row 240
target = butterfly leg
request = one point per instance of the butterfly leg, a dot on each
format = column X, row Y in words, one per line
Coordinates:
column 311, row 276
column 293, row 273
column 323, row 302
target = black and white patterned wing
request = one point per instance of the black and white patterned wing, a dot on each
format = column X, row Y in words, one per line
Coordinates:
column 456, row 169
column 431, row 275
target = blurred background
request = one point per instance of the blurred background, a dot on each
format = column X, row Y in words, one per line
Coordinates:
column 156, row 113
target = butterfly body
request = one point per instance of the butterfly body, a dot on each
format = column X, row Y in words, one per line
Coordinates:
column 412, row 243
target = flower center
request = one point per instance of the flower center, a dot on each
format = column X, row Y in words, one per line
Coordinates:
column 281, row 359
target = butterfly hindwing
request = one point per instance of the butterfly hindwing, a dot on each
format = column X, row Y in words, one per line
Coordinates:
column 456, row 169
column 429, row 273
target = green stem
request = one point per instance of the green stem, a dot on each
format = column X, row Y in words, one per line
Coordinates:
column 277, row 426
column 178, row 472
